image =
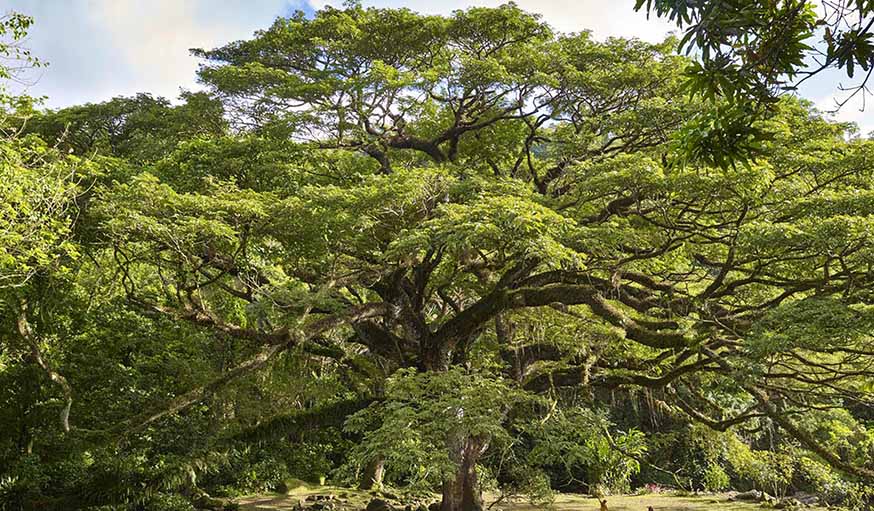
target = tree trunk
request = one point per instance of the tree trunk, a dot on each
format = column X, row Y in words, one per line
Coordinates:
column 463, row 492
column 372, row 476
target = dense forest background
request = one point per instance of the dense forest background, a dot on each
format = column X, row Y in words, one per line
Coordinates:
column 439, row 253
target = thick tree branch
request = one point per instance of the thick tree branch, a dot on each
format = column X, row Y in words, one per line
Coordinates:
column 30, row 337
column 276, row 343
column 485, row 309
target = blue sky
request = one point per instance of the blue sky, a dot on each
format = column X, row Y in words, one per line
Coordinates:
column 98, row 49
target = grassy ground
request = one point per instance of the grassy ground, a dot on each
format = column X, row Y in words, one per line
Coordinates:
column 659, row 502
column 347, row 499
column 355, row 500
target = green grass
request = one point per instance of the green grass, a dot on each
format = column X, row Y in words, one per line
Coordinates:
column 659, row 502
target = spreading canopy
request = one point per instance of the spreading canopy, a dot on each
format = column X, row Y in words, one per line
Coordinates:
column 492, row 181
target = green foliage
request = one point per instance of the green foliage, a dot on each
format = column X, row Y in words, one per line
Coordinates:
column 842, row 431
column 771, row 472
column 423, row 412
column 166, row 502
column 140, row 129
column 578, row 438
column 521, row 480
column 715, row 478
column 822, row 322
column 251, row 163
column 38, row 188
column 832, row 488
column 720, row 136
column 753, row 51
column 461, row 89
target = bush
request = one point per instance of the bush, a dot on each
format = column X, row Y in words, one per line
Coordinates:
column 270, row 466
column 168, row 502
column 715, row 478
column 832, row 488
column 520, row 479
column 577, row 440
column 771, row 472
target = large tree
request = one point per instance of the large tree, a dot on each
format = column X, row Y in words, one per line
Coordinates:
column 452, row 173
column 463, row 217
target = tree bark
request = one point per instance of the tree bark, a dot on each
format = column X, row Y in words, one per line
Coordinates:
column 373, row 471
column 463, row 493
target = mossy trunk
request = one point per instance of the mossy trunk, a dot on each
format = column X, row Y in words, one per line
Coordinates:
column 463, row 493
column 372, row 476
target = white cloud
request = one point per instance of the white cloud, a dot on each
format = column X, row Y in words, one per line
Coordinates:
column 153, row 39
column 97, row 49
column 859, row 108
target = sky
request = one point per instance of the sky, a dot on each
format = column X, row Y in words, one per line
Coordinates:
column 99, row 49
